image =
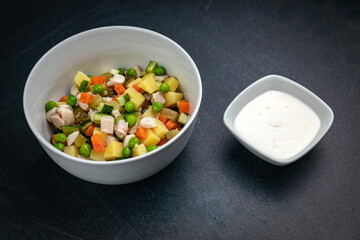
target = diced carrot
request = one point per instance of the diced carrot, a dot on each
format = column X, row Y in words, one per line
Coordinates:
column 98, row 145
column 98, row 80
column 63, row 99
column 53, row 138
column 115, row 98
column 85, row 98
column 119, row 89
column 163, row 118
column 162, row 142
column 170, row 125
column 89, row 131
column 140, row 133
column 137, row 88
column 184, row 107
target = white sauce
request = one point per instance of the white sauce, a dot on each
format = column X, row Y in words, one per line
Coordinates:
column 277, row 124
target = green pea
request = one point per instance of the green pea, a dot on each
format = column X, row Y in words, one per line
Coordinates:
column 157, row 106
column 60, row 137
column 151, row 147
column 50, row 105
column 126, row 152
column 160, row 71
column 133, row 141
column 121, row 71
column 131, row 72
column 71, row 100
column 97, row 88
column 85, row 150
column 59, row 146
column 131, row 120
column 129, row 106
column 164, row 88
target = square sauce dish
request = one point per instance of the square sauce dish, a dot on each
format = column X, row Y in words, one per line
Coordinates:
column 278, row 119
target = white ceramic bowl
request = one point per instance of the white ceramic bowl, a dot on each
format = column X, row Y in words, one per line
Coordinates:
column 96, row 51
column 279, row 83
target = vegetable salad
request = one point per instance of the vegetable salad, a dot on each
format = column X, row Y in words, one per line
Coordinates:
column 120, row 114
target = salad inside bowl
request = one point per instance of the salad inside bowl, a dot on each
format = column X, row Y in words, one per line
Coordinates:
column 96, row 51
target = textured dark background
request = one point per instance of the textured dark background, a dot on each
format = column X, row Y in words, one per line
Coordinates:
column 215, row 189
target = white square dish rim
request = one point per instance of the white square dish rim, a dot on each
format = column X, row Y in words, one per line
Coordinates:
column 273, row 78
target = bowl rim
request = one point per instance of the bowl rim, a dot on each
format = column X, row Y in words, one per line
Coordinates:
column 262, row 154
column 49, row 146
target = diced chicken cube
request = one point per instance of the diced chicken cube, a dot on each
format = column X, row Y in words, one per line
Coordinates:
column 121, row 128
column 91, row 114
column 107, row 124
column 115, row 113
column 78, row 97
column 84, row 106
column 116, row 80
column 65, row 106
column 161, row 78
column 107, row 99
column 133, row 129
column 109, row 139
column 127, row 139
column 67, row 115
column 74, row 90
column 138, row 70
column 72, row 137
column 158, row 97
column 57, row 121
column 148, row 122
column 51, row 112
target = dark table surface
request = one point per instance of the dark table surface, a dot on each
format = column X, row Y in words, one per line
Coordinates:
column 215, row 189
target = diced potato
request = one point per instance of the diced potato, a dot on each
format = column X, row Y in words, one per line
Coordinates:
column 97, row 156
column 80, row 140
column 150, row 113
column 171, row 98
column 138, row 150
column 132, row 92
column 114, row 150
column 171, row 134
column 149, row 75
column 170, row 114
column 138, row 100
column 173, row 83
column 102, row 135
column 60, row 103
column 158, row 83
column 130, row 84
column 79, row 77
column 160, row 130
column 149, row 84
column 151, row 138
column 71, row 150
